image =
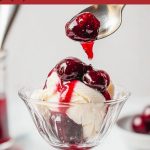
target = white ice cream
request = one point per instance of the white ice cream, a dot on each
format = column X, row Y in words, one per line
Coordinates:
column 91, row 110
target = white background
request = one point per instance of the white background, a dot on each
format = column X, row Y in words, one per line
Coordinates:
column 37, row 41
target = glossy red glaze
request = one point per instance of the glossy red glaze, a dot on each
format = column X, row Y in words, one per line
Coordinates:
column 4, row 136
column 88, row 48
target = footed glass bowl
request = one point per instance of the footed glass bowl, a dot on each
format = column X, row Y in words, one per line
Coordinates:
column 73, row 125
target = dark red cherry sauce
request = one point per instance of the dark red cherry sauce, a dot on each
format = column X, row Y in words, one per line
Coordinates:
column 84, row 28
column 70, row 70
column 88, row 48
column 67, row 90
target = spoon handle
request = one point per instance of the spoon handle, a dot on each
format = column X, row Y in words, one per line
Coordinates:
column 7, row 14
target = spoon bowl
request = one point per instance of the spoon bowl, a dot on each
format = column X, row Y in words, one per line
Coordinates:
column 110, row 17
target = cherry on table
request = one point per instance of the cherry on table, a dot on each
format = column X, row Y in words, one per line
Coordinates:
column 138, row 124
column 146, row 114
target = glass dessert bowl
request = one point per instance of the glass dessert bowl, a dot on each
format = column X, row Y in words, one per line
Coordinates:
column 74, row 125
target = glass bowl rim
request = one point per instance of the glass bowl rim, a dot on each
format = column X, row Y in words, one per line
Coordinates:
column 27, row 99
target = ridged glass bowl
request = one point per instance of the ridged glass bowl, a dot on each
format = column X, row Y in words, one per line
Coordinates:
column 71, row 125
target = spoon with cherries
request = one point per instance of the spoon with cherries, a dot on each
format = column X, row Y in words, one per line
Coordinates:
column 94, row 23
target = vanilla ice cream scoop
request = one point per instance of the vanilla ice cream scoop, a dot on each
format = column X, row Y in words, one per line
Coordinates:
column 72, row 81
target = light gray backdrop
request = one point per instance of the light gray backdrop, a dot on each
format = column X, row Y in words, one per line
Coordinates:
column 37, row 42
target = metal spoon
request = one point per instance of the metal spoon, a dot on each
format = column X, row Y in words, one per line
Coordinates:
column 110, row 17
column 7, row 14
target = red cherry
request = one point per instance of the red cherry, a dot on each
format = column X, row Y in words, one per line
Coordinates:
column 138, row 124
column 83, row 27
column 146, row 117
column 146, row 114
column 70, row 68
column 97, row 79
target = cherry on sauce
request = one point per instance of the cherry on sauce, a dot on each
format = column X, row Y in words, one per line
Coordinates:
column 70, row 69
column 84, row 28
column 97, row 79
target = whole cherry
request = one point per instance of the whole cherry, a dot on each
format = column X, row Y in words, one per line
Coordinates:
column 97, row 79
column 146, row 114
column 146, row 117
column 83, row 27
column 71, row 68
column 138, row 124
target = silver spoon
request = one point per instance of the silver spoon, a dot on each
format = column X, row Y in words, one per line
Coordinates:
column 7, row 14
column 110, row 17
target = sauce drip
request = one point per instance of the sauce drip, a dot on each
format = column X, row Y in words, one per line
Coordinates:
column 88, row 48
column 67, row 91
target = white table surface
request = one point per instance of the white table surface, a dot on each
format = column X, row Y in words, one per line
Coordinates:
column 30, row 139
column 33, row 141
